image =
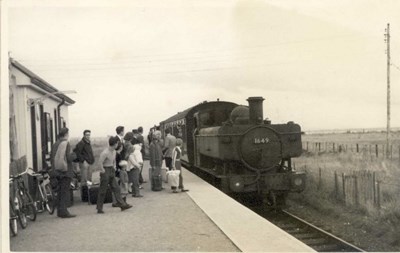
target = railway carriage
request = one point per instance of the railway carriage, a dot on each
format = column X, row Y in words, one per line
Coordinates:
column 238, row 150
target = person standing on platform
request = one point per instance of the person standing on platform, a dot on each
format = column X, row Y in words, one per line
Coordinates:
column 119, row 156
column 135, row 139
column 150, row 136
column 156, row 157
column 169, row 145
column 61, row 160
column 128, row 147
column 123, row 179
column 85, row 156
column 120, row 148
column 141, row 140
column 107, row 176
column 135, row 162
column 176, row 164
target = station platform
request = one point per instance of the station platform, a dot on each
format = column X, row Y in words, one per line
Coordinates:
column 201, row 220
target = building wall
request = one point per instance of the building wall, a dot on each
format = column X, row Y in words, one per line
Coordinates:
column 23, row 116
column 21, row 77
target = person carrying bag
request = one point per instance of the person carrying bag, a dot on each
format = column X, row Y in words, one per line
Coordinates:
column 176, row 172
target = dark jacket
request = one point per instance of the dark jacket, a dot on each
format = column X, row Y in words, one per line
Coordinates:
column 141, row 140
column 135, row 141
column 84, row 151
column 156, row 154
column 119, row 156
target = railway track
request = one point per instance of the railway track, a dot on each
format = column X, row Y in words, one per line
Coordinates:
column 311, row 235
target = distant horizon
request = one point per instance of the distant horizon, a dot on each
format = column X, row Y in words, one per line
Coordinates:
column 311, row 131
column 367, row 129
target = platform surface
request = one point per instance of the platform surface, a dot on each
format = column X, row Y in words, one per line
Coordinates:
column 203, row 219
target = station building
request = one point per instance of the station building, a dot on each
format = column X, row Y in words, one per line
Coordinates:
column 37, row 112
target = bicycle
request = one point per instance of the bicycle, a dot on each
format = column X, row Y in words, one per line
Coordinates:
column 22, row 199
column 13, row 215
column 46, row 194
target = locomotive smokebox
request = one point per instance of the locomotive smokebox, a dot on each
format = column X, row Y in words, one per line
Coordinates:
column 256, row 110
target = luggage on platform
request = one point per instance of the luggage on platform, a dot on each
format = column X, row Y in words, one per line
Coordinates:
column 156, row 181
column 90, row 193
column 173, row 177
column 84, row 193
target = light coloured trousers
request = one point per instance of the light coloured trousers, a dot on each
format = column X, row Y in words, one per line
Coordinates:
column 86, row 172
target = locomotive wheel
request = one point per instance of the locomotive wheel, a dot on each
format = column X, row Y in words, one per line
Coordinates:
column 276, row 200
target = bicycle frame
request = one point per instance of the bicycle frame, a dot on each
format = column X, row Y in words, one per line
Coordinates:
column 27, row 206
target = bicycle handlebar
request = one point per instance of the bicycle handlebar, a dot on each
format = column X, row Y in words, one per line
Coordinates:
column 28, row 171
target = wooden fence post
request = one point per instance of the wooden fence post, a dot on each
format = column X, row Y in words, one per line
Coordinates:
column 357, row 147
column 319, row 146
column 378, row 191
column 376, row 150
column 319, row 178
column 307, row 146
column 391, row 152
column 356, row 190
column 344, row 187
column 336, row 186
column 374, row 186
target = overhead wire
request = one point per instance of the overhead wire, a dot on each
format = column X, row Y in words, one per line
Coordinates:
column 174, row 54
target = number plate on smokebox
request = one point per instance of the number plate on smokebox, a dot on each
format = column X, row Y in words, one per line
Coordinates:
column 261, row 140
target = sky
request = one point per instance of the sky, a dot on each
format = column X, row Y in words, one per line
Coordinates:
column 321, row 64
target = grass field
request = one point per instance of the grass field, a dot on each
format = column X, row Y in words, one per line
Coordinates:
column 321, row 163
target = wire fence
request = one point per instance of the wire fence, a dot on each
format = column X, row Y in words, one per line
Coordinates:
column 362, row 188
column 375, row 150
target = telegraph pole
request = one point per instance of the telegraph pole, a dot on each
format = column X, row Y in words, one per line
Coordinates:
column 387, row 40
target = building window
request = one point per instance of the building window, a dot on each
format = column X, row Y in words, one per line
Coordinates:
column 63, row 123
column 49, row 132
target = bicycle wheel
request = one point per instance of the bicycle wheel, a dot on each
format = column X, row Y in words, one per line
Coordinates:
column 29, row 207
column 20, row 214
column 50, row 203
column 13, row 220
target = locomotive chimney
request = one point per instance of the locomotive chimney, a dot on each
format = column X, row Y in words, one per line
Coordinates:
column 256, row 109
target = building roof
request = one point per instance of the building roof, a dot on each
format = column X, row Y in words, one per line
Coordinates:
column 38, row 81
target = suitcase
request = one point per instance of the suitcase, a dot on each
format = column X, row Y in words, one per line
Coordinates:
column 84, row 193
column 173, row 176
column 92, row 192
column 156, row 181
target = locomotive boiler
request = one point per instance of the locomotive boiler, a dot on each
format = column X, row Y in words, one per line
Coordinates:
column 240, row 150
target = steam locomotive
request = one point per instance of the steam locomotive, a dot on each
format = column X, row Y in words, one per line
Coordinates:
column 240, row 151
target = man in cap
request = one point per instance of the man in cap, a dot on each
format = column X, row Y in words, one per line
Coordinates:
column 61, row 162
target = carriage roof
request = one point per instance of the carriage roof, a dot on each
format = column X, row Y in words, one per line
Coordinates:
column 183, row 114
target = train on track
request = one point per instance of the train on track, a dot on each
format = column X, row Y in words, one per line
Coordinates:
column 239, row 150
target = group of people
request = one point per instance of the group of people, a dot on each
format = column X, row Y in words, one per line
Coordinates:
column 121, row 165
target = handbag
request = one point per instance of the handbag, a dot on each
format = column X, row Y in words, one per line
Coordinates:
column 173, row 177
